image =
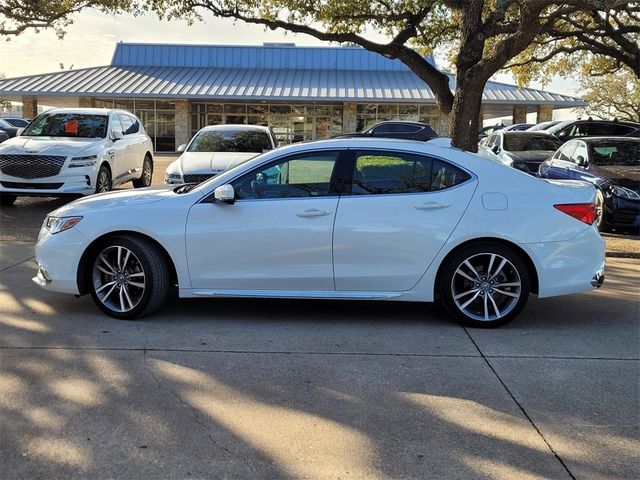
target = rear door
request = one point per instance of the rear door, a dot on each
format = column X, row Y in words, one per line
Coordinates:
column 560, row 165
column 400, row 211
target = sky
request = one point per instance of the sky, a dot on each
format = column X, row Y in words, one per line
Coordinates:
column 90, row 41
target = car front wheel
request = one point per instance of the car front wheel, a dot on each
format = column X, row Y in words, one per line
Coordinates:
column 485, row 285
column 103, row 180
column 129, row 278
column 147, row 174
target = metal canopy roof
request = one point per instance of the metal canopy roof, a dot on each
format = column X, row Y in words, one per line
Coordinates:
column 276, row 73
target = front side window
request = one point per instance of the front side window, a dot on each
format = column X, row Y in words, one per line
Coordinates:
column 566, row 151
column 580, row 153
column 116, row 126
column 377, row 173
column 68, row 125
column 230, row 141
column 126, row 123
column 305, row 175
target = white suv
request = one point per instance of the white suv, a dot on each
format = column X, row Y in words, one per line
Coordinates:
column 76, row 151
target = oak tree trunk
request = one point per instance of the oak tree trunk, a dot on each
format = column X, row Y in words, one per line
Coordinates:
column 465, row 115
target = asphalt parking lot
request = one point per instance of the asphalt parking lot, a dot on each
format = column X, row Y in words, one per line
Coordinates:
column 314, row 389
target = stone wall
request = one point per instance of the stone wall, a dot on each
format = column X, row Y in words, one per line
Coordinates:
column 183, row 122
column 348, row 117
column 85, row 102
column 519, row 114
column 545, row 113
column 29, row 107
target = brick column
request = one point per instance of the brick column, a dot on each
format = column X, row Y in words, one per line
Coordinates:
column 85, row 102
column 183, row 122
column 349, row 117
column 29, row 107
column 545, row 113
column 519, row 114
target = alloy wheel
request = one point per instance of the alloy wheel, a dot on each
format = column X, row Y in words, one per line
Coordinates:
column 486, row 287
column 103, row 182
column 146, row 173
column 118, row 279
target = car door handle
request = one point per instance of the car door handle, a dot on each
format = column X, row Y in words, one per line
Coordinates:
column 432, row 206
column 313, row 212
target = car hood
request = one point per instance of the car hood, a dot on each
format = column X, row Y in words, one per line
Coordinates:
column 114, row 199
column 530, row 155
column 624, row 175
column 48, row 145
column 212, row 162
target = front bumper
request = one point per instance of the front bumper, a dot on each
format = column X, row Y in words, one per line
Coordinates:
column 78, row 181
column 58, row 257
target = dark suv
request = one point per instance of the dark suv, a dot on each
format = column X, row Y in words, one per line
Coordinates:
column 594, row 128
column 397, row 129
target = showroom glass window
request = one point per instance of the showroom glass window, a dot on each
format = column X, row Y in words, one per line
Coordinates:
column 299, row 176
column 379, row 173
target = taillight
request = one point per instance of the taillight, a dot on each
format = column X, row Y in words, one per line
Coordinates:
column 585, row 212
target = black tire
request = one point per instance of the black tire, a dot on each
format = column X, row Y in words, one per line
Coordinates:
column 6, row 200
column 104, row 182
column 481, row 303
column 145, row 262
column 601, row 221
column 147, row 174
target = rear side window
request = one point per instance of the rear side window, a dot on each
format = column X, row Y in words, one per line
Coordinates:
column 379, row 173
column 565, row 152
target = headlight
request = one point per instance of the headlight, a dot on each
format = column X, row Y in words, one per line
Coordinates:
column 173, row 178
column 60, row 224
column 86, row 161
column 623, row 192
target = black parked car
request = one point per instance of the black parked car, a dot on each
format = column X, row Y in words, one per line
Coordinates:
column 613, row 166
column 396, row 129
column 9, row 129
column 594, row 128
column 543, row 125
column 17, row 122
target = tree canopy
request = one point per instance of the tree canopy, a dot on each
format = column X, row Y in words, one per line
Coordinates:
column 613, row 95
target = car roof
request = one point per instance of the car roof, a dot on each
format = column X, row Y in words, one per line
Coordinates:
column 89, row 111
column 524, row 133
column 234, row 127
column 606, row 139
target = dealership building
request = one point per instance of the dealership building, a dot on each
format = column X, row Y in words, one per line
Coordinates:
column 302, row 93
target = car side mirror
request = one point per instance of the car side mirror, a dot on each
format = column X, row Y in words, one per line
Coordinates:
column 115, row 136
column 581, row 161
column 225, row 194
column 495, row 149
column 181, row 148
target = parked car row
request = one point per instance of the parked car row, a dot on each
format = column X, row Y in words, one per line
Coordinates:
column 567, row 151
column 568, row 129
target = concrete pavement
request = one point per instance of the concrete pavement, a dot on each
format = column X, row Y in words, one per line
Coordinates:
column 311, row 389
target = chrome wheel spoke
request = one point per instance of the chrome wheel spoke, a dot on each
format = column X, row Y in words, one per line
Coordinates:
column 465, row 304
column 508, row 284
column 460, row 295
column 508, row 294
column 493, row 258
column 126, row 260
column 499, row 269
column 473, row 270
column 136, row 284
column 136, row 274
column 495, row 306
column 127, row 297
column 108, row 284
column 112, row 270
column 113, row 287
column 462, row 274
column 122, row 307
column 486, row 308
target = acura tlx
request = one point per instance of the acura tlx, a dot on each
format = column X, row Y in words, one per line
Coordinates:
column 365, row 219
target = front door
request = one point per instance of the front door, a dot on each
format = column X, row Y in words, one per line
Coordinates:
column 401, row 211
column 276, row 236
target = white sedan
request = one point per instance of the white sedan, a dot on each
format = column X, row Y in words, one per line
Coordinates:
column 75, row 151
column 217, row 148
column 366, row 219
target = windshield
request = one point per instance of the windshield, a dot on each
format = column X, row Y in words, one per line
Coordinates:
column 230, row 141
column 524, row 142
column 616, row 153
column 68, row 125
column 4, row 123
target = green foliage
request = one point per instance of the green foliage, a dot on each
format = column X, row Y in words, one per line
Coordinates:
column 614, row 95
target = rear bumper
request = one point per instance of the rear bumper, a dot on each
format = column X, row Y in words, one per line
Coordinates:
column 569, row 267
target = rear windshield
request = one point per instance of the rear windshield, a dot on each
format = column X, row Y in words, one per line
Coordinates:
column 616, row 153
column 68, row 125
column 230, row 141
column 524, row 142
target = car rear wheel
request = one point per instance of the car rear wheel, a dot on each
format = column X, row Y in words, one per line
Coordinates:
column 485, row 285
column 7, row 200
column 600, row 220
column 147, row 174
column 129, row 278
column 103, row 180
